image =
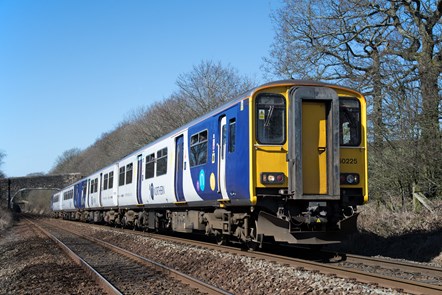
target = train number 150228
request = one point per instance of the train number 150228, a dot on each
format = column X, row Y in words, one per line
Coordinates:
column 349, row 161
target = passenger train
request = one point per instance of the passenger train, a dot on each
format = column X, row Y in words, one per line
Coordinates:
column 286, row 162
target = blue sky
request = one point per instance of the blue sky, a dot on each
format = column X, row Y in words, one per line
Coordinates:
column 72, row 70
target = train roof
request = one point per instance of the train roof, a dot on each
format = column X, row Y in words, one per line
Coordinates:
column 294, row 82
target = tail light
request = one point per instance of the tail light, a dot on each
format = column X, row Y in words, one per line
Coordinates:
column 272, row 178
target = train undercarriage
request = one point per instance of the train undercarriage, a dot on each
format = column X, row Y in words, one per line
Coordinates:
column 310, row 223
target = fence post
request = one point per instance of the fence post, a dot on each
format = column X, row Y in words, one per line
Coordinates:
column 419, row 198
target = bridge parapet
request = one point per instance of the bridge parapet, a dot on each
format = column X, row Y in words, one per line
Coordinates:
column 10, row 186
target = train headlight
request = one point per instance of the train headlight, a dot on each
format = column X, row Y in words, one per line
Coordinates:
column 349, row 178
column 272, row 178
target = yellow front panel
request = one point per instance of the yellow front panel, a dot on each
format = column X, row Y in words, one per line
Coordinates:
column 354, row 159
column 314, row 145
column 270, row 159
column 266, row 158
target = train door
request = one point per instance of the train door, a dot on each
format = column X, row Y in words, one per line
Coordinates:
column 314, row 147
column 83, row 194
column 314, row 143
column 76, row 195
column 222, row 158
column 179, row 149
column 80, row 194
column 139, row 178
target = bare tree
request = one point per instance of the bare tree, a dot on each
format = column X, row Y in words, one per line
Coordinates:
column 66, row 162
column 390, row 50
column 210, row 85
column 158, row 119
column 337, row 42
column 417, row 39
column 206, row 87
column 2, row 155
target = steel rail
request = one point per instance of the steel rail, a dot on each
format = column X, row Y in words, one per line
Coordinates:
column 333, row 270
column 98, row 278
column 393, row 264
column 182, row 277
column 343, row 272
column 361, row 276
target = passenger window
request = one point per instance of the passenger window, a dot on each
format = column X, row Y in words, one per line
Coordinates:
column 162, row 162
column 105, row 181
column 232, row 135
column 150, row 166
column 93, row 184
column 96, row 185
column 350, row 122
column 270, row 119
column 198, row 149
column 129, row 173
column 111, row 180
column 122, row 174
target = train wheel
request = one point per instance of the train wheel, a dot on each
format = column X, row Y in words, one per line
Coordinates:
column 251, row 245
column 220, row 239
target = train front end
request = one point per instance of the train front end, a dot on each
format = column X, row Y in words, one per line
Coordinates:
column 308, row 161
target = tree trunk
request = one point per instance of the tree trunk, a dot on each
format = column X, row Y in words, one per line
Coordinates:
column 377, row 115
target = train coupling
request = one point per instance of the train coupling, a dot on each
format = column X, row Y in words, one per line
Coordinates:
column 316, row 213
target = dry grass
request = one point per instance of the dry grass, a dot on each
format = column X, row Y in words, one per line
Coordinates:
column 399, row 234
column 5, row 219
column 384, row 222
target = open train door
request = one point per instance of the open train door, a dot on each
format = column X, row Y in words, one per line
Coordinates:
column 313, row 155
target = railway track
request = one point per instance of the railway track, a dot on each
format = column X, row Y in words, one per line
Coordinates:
column 399, row 276
column 420, row 273
column 118, row 271
column 402, row 276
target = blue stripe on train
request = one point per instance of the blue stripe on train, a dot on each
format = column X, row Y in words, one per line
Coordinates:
column 205, row 176
column 79, row 194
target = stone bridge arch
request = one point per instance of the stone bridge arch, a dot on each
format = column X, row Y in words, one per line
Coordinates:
column 11, row 188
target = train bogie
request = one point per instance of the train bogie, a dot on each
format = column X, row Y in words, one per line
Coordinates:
column 187, row 221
